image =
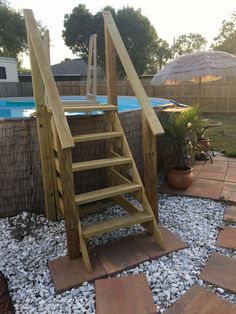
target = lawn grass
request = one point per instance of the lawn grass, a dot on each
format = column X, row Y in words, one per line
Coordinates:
column 223, row 138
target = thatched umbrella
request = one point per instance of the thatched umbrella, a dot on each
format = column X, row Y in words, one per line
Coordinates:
column 202, row 66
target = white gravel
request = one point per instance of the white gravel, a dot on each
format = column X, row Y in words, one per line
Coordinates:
column 24, row 261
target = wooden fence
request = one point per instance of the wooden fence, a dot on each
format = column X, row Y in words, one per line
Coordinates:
column 218, row 96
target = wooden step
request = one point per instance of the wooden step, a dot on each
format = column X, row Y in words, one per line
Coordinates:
column 86, row 108
column 97, row 195
column 100, row 163
column 96, row 136
column 116, row 223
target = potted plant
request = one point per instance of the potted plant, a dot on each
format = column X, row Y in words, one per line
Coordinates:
column 177, row 144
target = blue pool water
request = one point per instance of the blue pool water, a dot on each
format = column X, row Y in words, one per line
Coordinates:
column 22, row 107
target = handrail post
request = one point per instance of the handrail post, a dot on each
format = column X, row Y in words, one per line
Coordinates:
column 151, row 125
column 110, row 54
column 43, row 136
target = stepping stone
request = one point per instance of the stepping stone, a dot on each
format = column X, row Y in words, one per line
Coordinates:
column 200, row 300
column 227, row 238
column 172, row 242
column 124, row 295
column 206, row 188
column 230, row 213
column 120, row 255
column 220, row 270
column 68, row 274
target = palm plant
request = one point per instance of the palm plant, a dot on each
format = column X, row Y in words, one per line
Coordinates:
column 180, row 136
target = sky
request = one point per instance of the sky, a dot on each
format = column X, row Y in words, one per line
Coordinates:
column 170, row 18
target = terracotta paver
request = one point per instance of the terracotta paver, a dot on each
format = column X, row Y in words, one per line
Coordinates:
column 165, row 188
column 199, row 162
column 220, row 270
column 232, row 164
column 124, row 295
column 230, row 213
column 198, row 300
column 231, row 175
column 196, row 173
column 206, row 188
column 212, row 175
column 68, row 274
column 120, row 255
column 197, row 167
column 216, row 166
column 172, row 242
column 227, row 238
column 228, row 195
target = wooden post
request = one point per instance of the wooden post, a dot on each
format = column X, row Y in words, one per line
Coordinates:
column 42, row 127
column 110, row 53
column 150, row 166
column 68, row 195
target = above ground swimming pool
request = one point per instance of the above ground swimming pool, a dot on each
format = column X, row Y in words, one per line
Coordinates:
column 20, row 107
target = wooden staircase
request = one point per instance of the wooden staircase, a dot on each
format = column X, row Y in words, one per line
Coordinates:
column 122, row 177
column 56, row 144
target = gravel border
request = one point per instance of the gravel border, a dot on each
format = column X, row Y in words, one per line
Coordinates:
column 28, row 241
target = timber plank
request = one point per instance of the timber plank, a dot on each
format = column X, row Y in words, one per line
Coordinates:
column 115, row 223
column 49, row 82
column 100, row 163
column 106, row 193
column 89, row 108
column 137, row 86
column 96, row 136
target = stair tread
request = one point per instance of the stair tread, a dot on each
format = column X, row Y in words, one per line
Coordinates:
column 97, row 195
column 96, row 136
column 116, row 223
column 81, row 108
column 99, row 163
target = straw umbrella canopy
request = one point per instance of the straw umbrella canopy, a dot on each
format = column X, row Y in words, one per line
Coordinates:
column 202, row 66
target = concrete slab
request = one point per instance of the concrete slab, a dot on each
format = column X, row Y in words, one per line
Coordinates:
column 220, row 270
column 124, row 295
column 199, row 300
column 172, row 242
column 227, row 238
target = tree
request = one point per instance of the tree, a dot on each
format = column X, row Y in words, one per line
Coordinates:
column 136, row 31
column 188, row 43
column 162, row 54
column 12, row 32
column 226, row 40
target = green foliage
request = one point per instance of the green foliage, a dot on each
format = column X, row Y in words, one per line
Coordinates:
column 162, row 53
column 180, row 136
column 226, row 40
column 188, row 43
column 138, row 34
column 12, row 31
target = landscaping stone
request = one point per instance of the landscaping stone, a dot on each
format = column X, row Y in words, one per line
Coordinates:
column 195, row 221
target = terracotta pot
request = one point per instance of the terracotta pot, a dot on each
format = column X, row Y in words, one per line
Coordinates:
column 180, row 179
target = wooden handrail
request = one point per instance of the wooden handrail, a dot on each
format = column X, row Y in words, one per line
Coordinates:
column 62, row 127
column 137, row 86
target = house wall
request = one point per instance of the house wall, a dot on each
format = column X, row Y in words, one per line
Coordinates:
column 10, row 67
